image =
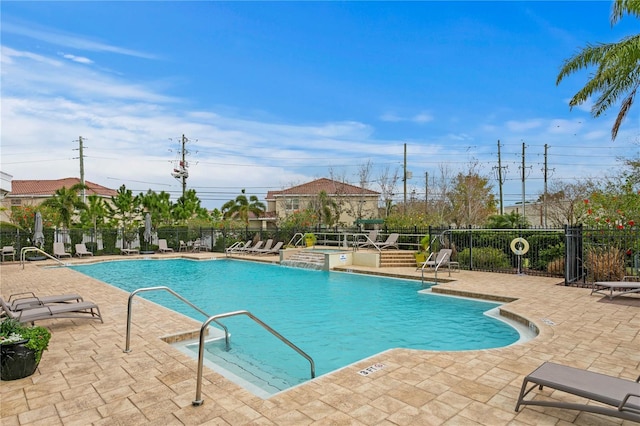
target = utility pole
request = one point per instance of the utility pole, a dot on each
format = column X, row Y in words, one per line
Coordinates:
column 405, row 179
column 181, row 171
column 546, row 176
column 426, row 192
column 500, row 179
column 524, row 215
column 81, row 156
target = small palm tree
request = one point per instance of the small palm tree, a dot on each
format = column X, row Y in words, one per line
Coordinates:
column 66, row 202
column 618, row 69
column 241, row 206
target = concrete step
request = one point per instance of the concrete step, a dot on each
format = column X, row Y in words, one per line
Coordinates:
column 391, row 259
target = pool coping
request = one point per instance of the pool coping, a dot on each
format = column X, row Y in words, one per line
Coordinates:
column 474, row 387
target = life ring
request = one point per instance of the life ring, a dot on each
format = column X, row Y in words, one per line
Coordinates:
column 519, row 250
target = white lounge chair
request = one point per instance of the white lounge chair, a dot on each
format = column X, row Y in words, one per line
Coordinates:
column 59, row 252
column 81, row 250
column 239, row 247
column 128, row 251
column 442, row 258
column 256, row 250
column 183, row 246
column 8, row 251
column 391, row 242
column 162, row 246
column 620, row 396
column 256, row 246
column 370, row 240
column 273, row 250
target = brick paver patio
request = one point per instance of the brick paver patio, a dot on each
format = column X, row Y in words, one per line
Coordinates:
column 86, row 378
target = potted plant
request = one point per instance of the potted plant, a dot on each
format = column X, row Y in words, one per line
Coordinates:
column 310, row 239
column 421, row 254
column 21, row 348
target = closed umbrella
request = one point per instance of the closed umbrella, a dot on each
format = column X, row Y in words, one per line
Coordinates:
column 147, row 228
column 38, row 235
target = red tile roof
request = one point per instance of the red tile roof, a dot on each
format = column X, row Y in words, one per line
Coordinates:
column 49, row 187
column 331, row 187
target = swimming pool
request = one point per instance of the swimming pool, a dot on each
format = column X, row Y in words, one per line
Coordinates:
column 337, row 318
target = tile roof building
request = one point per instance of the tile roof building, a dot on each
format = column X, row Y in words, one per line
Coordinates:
column 354, row 202
column 33, row 192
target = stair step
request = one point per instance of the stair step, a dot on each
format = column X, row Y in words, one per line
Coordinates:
column 397, row 259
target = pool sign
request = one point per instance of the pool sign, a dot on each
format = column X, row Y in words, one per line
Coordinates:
column 371, row 369
column 343, row 257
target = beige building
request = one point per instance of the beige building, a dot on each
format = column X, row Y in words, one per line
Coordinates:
column 353, row 202
column 25, row 193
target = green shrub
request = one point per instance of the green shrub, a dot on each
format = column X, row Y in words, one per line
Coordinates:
column 484, row 258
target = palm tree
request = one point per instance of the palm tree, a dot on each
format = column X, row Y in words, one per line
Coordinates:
column 241, row 206
column 618, row 69
column 94, row 212
column 66, row 202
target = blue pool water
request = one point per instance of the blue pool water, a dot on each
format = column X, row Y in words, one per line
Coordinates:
column 337, row 318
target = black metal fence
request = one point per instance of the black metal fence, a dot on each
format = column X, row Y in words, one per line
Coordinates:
column 577, row 254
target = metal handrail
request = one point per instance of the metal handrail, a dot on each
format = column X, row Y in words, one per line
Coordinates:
column 140, row 290
column 436, row 237
column 26, row 250
column 198, row 401
column 298, row 241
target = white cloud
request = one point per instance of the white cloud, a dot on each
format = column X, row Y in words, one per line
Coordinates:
column 79, row 59
column 59, row 38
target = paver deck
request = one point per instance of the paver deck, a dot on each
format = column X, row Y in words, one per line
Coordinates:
column 86, row 378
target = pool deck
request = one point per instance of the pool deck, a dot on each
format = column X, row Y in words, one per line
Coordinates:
column 86, row 378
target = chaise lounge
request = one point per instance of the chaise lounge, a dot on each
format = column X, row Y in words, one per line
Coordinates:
column 81, row 250
column 85, row 309
column 59, row 251
column 621, row 397
column 613, row 289
column 26, row 300
column 163, row 247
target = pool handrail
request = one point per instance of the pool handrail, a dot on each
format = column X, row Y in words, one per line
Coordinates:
column 127, row 347
column 294, row 242
column 26, row 250
column 198, row 401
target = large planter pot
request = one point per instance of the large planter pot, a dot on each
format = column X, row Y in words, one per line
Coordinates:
column 17, row 361
column 421, row 257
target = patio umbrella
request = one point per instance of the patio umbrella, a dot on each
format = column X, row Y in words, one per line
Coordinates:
column 147, row 228
column 38, row 235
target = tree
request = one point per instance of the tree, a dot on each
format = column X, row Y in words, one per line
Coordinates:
column 67, row 203
column 188, row 207
column 159, row 206
column 94, row 212
column 242, row 206
column 124, row 211
column 618, row 69
column 325, row 209
column 507, row 221
column 388, row 181
column 565, row 202
column 471, row 199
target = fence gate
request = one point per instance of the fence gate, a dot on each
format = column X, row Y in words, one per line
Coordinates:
column 574, row 270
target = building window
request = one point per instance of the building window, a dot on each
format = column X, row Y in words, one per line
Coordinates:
column 292, row 204
column 16, row 202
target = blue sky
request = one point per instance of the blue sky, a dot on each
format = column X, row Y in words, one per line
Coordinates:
column 276, row 94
